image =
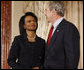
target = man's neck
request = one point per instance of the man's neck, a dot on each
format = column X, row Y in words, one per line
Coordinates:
column 55, row 19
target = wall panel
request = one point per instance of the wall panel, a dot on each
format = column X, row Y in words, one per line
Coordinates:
column 5, row 32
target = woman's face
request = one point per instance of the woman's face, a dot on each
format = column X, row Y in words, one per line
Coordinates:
column 30, row 23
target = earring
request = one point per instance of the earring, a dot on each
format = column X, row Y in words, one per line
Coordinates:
column 24, row 27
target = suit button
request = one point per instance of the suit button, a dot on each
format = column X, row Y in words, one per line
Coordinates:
column 40, row 57
column 47, row 57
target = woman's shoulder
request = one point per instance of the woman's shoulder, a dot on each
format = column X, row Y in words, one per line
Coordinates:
column 41, row 40
column 18, row 37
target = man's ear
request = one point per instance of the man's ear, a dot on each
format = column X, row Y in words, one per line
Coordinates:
column 53, row 12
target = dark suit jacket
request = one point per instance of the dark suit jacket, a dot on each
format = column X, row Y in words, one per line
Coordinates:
column 29, row 54
column 63, row 50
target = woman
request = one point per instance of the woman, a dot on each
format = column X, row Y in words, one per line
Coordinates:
column 27, row 50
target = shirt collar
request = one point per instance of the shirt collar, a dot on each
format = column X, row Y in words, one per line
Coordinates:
column 57, row 22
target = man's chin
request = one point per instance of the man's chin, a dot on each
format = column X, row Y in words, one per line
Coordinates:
column 48, row 21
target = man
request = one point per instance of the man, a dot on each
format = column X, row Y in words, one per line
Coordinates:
column 62, row 51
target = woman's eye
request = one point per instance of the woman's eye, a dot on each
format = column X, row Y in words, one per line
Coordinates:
column 28, row 21
column 31, row 21
column 34, row 20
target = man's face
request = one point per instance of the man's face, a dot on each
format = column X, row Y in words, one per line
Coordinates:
column 48, row 13
column 30, row 23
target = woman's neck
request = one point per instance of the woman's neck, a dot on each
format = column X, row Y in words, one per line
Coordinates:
column 30, row 34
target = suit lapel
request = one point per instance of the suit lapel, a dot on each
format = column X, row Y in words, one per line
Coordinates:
column 55, row 35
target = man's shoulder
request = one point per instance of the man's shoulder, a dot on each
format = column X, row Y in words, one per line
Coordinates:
column 68, row 24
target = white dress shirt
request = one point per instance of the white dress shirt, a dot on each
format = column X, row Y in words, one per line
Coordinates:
column 56, row 24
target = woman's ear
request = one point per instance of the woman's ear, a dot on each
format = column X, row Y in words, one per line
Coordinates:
column 24, row 26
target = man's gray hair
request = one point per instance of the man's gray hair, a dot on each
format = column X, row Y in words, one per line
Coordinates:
column 58, row 6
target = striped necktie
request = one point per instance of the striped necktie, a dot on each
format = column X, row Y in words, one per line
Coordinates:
column 50, row 35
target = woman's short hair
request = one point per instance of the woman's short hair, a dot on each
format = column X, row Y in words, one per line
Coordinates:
column 58, row 6
column 22, row 22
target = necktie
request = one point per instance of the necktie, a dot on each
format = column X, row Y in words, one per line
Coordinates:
column 50, row 34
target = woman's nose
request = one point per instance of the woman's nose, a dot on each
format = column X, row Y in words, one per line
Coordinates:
column 32, row 21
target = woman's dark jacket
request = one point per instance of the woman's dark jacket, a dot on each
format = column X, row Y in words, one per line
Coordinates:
column 26, row 55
